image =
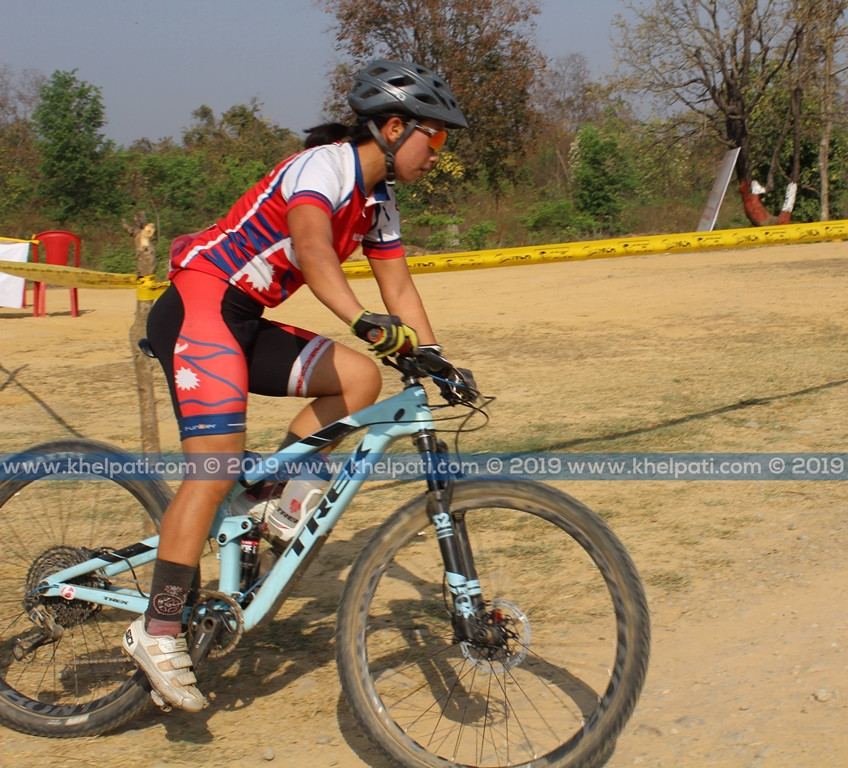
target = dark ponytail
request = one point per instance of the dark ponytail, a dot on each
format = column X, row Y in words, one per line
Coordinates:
column 331, row 133
column 328, row 133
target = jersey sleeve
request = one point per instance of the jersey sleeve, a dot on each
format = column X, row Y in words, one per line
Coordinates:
column 383, row 240
column 314, row 179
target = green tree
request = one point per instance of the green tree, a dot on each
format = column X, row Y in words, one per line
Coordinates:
column 241, row 133
column 78, row 168
column 824, row 47
column 186, row 187
column 602, row 177
column 170, row 184
column 237, row 150
column 780, row 161
column 484, row 49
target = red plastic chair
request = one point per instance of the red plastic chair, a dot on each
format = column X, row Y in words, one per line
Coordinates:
column 57, row 250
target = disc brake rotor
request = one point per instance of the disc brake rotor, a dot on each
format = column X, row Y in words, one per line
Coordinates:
column 514, row 627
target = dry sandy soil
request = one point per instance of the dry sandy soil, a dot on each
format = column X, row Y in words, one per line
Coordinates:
column 740, row 351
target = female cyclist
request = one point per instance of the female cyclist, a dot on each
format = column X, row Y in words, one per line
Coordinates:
column 294, row 227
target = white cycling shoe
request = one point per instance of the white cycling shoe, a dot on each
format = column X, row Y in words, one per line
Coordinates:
column 166, row 663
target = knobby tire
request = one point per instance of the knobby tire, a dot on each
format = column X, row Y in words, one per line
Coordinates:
column 561, row 584
column 80, row 684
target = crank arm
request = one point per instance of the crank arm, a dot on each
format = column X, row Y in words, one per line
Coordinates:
column 207, row 632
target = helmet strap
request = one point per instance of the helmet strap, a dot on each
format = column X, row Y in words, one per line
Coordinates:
column 390, row 150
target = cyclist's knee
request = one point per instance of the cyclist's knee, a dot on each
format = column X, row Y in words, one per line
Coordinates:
column 368, row 379
column 349, row 374
column 360, row 382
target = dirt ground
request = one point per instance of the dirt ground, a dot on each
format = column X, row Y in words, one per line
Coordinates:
column 740, row 351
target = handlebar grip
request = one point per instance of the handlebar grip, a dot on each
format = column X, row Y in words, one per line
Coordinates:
column 407, row 348
column 433, row 362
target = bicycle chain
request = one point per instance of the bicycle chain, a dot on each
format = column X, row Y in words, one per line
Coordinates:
column 232, row 634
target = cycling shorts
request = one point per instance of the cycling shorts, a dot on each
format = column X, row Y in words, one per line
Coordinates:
column 215, row 347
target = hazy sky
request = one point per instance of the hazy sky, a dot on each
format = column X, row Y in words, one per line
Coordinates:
column 156, row 61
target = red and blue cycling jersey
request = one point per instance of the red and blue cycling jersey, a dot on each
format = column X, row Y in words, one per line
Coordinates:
column 252, row 248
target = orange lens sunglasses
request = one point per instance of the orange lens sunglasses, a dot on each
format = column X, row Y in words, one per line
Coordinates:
column 437, row 137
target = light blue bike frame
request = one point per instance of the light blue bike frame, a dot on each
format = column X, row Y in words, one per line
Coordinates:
column 403, row 414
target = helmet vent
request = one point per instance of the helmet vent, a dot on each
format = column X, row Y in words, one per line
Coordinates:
column 398, row 87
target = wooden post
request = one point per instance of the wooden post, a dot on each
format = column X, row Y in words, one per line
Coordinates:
column 145, row 256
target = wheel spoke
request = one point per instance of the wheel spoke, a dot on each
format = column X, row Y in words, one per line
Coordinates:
column 68, row 660
column 559, row 589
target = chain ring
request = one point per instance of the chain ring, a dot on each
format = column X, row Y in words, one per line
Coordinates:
column 231, row 631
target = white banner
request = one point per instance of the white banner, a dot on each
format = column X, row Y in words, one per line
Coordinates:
column 716, row 198
column 12, row 288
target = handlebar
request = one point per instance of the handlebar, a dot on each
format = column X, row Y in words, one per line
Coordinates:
column 457, row 385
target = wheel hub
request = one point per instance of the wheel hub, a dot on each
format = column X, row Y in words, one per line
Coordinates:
column 66, row 613
column 513, row 628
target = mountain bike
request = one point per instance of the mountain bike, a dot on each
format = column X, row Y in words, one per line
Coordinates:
column 486, row 622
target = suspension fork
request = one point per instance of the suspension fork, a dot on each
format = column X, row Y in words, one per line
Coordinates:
column 455, row 548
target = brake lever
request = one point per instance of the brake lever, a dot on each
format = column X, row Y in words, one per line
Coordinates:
column 456, row 385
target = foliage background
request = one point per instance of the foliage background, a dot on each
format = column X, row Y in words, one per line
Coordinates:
column 551, row 155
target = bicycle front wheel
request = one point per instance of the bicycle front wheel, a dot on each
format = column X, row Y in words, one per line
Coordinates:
column 62, row 672
column 562, row 685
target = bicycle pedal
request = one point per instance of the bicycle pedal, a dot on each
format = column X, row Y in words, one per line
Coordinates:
column 160, row 702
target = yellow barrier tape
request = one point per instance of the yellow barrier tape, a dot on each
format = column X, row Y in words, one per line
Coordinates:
column 69, row 277
column 623, row 246
column 149, row 289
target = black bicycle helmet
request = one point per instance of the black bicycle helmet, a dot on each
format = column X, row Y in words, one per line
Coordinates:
column 403, row 88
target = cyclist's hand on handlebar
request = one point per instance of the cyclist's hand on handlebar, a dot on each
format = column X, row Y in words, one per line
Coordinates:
column 457, row 385
column 386, row 334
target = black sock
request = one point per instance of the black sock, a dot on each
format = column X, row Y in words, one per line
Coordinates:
column 169, row 590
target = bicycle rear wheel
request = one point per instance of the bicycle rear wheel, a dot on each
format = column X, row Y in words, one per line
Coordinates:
column 560, row 584
column 77, row 683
